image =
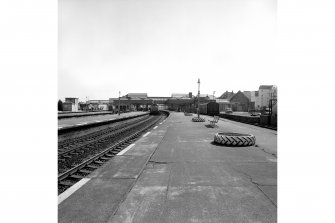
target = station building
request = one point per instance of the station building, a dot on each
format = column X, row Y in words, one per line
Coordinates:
column 98, row 105
column 131, row 102
column 70, row 104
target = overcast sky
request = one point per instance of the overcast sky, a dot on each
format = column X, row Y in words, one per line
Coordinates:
column 162, row 47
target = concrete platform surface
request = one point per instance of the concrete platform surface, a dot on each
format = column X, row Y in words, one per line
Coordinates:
column 177, row 174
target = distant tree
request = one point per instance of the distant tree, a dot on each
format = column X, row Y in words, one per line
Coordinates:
column 60, row 105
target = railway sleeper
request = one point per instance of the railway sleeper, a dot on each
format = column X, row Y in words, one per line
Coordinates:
column 97, row 162
column 105, row 158
column 76, row 176
column 85, row 171
column 109, row 155
column 114, row 152
column 93, row 166
column 65, row 183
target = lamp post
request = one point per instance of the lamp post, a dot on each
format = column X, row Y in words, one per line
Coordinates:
column 119, row 101
column 198, row 95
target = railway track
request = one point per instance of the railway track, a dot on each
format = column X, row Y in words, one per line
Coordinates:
column 76, row 163
column 104, row 136
column 65, row 144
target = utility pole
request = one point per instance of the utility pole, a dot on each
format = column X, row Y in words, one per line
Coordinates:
column 119, row 101
column 198, row 95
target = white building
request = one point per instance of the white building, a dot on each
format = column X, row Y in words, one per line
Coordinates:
column 254, row 98
column 265, row 93
column 71, row 104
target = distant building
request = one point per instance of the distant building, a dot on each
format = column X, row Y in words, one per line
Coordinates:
column 131, row 102
column 248, row 94
column 265, row 94
column 255, row 99
column 98, row 105
column 179, row 95
column 181, row 102
column 240, row 102
column 82, row 106
column 227, row 95
column 71, row 104
column 224, row 104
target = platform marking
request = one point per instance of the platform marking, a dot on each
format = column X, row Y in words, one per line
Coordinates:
column 126, row 149
column 60, row 127
column 72, row 189
column 156, row 127
column 97, row 121
column 64, row 125
column 146, row 134
column 82, row 123
column 161, row 123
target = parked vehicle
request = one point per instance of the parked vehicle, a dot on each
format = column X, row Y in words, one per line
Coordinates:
column 228, row 111
column 210, row 108
column 255, row 114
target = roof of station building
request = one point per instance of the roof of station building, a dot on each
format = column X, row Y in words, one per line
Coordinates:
column 137, row 95
column 266, row 87
column 179, row 95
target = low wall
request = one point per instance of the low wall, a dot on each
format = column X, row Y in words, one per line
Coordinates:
column 239, row 118
column 264, row 120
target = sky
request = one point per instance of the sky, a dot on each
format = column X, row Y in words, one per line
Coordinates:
column 162, row 47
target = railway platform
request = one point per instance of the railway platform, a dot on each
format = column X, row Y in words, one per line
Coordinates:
column 75, row 122
column 175, row 173
column 62, row 115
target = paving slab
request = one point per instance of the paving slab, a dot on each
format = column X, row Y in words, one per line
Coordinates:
column 205, row 174
column 271, row 192
column 145, row 202
column 96, row 201
column 122, row 167
column 218, row 204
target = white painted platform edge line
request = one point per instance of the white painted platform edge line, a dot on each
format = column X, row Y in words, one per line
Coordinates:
column 72, row 189
column 97, row 121
column 161, row 123
column 126, row 149
column 156, row 127
column 146, row 134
